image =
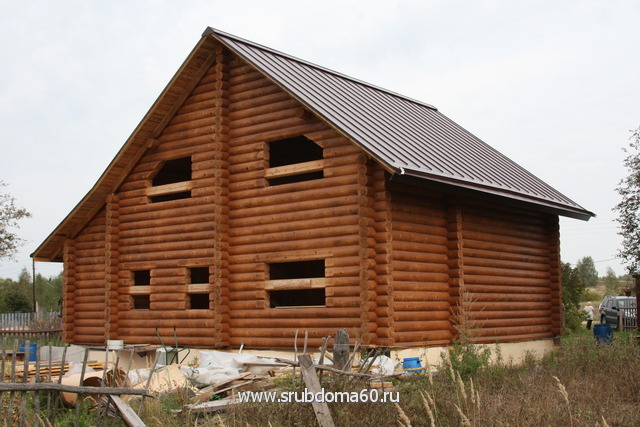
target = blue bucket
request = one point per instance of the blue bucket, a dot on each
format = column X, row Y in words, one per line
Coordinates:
column 33, row 351
column 603, row 333
column 410, row 363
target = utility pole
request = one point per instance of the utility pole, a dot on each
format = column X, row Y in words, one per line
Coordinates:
column 35, row 302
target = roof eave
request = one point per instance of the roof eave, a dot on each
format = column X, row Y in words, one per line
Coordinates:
column 576, row 212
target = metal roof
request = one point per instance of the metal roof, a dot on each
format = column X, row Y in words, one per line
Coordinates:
column 407, row 136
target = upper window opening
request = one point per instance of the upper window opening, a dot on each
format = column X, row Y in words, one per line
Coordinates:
column 177, row 170
column 300, row 151
column 199, row 275
column 142, row 278
column 296, row 270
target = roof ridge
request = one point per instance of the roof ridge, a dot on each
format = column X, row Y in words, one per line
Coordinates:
column 216, row 32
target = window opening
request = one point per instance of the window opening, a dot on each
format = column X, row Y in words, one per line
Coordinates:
column 199, row 275
column 293, row 151
column 199, row 301
column 142, row 278
column 172, row 181
column 297, row 298
column 176, row 170
column 297, row 284
column 296, row 269
column 141, row 302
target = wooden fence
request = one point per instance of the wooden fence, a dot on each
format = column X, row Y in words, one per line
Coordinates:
column 33, row 392
column 45, row 328
column 628, row 319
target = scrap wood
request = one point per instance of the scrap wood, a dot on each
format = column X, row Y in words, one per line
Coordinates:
column 207, row 392
column 323, row 415
column 128, row 414
column 55, row 369
column 212, row 406
column 22, row 387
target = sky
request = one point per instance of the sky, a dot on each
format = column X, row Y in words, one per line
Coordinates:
column 554, row 85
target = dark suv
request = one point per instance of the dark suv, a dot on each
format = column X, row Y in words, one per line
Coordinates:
column 611, row 307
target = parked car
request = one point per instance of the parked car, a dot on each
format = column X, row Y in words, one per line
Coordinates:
column 611, row 307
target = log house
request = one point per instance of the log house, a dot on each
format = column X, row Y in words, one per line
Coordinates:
column 262, row 194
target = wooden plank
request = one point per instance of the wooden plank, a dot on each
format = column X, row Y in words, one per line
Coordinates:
column 313, row 385
column 169, row 188
column 295, row 169
column 288, row 284
column 128, row 415
column 341, row 349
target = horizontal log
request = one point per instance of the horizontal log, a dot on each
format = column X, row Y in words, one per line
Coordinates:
column 500, row 323
column 476, row 289
column 292, row 246
column 510, row 297
column 470, row 261
column 505, row 240
column 416, row 325
column 438, row 270
column 24, row 387
column 204, row 324
column 265, row 97
column 418, row 316
column 438, row 242
column 414, row 276
column 294, row 235
column 400, row 306
column 170, row 254
column 511, row 314
column 154, row 239
column 297, row 323
column 506, row 272
column 498, row 280
column 501, row 247
column 423, row 337
column 419, row 257
column 304, row 191
column 489, row 254
column 508, row 306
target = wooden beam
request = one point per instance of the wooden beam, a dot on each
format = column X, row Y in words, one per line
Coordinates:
column 313, row 385
column 295, row 169
column 128, row 415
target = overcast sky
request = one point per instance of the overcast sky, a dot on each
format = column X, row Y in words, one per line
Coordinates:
column 554, row 85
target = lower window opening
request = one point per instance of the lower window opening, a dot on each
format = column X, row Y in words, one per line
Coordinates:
column 297, row 298
column 199, row 301
column 141, row 302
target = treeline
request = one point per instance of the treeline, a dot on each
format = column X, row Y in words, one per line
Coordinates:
column 17, row 297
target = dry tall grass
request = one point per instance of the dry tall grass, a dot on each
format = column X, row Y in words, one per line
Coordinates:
column 581, row 383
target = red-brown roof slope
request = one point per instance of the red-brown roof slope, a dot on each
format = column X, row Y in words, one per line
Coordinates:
column 407, row 136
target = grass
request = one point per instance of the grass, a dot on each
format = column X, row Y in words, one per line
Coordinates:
column 579, row 383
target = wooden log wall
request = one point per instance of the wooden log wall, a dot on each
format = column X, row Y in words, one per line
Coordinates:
column 85, row 305
column 398, row 259
column 307, row 220
column 420, row 267
column 170, row 237
column 507, row 273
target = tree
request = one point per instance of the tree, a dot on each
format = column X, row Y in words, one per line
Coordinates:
column 611, row 281
column 629, row 207
column 10, row 214
column 587, row 271
column 572, row 288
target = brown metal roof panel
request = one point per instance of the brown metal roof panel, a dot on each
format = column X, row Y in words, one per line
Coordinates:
column 406, row 135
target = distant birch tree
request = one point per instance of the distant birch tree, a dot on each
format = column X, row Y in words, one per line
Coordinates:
column 629, row 207
column 10, row 214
